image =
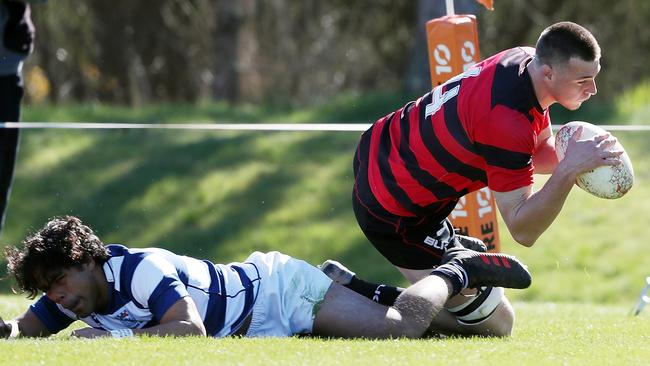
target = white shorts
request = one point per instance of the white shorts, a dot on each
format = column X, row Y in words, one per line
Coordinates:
column 290, row 294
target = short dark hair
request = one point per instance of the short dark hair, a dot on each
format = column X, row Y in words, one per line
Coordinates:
column 561, row 41
column 64, row 242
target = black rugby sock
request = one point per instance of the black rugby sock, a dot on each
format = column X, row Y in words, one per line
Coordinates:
column 455, row 274
column 380, row 293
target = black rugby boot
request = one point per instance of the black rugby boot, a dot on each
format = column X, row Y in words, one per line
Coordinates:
column 489, row 269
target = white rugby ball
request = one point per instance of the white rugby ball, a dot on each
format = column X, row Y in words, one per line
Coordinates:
column 605, row 181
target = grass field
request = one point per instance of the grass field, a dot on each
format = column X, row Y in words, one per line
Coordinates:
column 546, row 334
column 221, row 195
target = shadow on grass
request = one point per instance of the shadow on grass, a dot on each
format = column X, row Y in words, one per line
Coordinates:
column 104, row 185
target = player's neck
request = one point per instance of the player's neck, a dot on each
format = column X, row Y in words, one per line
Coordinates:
column 544, row 98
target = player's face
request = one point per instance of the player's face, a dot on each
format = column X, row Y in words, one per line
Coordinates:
column 574, row 82
column 75, row 288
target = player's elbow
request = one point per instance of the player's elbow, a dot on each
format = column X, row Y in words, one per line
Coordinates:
column 200, row 330
column 195, row 328
column 524, row 238
column 522, row 233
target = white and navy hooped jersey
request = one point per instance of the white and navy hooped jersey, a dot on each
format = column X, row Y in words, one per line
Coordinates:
column 145, row 283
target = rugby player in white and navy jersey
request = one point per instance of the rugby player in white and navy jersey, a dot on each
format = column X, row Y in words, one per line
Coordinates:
column 120, row 292
column 487, row 127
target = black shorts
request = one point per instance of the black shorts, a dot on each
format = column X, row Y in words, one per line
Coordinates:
column 407, row 242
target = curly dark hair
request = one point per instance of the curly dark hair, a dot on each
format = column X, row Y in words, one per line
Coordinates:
column 64, row 242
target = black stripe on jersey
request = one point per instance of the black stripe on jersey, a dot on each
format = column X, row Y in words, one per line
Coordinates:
column 503, row 158
column 249, row 296
column 512, row 86
column 454, row 126
column 425, row 179
column 387, row 176
column 215, row 316
column 444, row 157
column 129, row 264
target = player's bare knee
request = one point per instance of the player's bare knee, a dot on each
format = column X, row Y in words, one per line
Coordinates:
column 415, row 315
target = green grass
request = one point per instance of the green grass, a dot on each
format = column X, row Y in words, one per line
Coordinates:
column 545, row 334
column 221, row 195
column 348, row 107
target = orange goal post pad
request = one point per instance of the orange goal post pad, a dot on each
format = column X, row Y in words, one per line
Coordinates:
column 452, row 42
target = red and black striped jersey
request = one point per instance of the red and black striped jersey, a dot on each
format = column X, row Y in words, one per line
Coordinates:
column 478, row 129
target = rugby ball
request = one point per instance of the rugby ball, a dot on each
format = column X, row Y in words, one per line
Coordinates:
column 605, row 181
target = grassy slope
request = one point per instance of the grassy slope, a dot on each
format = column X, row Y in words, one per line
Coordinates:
column 221, row 195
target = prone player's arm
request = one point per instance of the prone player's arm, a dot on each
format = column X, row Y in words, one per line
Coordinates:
column 28, row 325
column 181, row 319
column 168, row 299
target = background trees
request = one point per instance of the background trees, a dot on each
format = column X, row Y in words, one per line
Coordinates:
column 290, row 51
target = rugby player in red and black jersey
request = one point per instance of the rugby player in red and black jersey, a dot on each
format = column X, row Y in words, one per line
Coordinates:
column 488, row 127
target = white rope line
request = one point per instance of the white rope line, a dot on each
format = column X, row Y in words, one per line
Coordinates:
column 238, row 126
column 193, row 126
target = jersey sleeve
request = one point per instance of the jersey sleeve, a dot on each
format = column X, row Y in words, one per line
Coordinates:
column 156, row 285
column 51, row 315
column 507, row 142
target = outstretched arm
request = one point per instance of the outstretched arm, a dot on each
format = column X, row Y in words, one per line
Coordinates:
column 182, row 319
column 26, row 325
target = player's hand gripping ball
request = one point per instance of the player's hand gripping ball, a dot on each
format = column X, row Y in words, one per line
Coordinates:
column 608, row 181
